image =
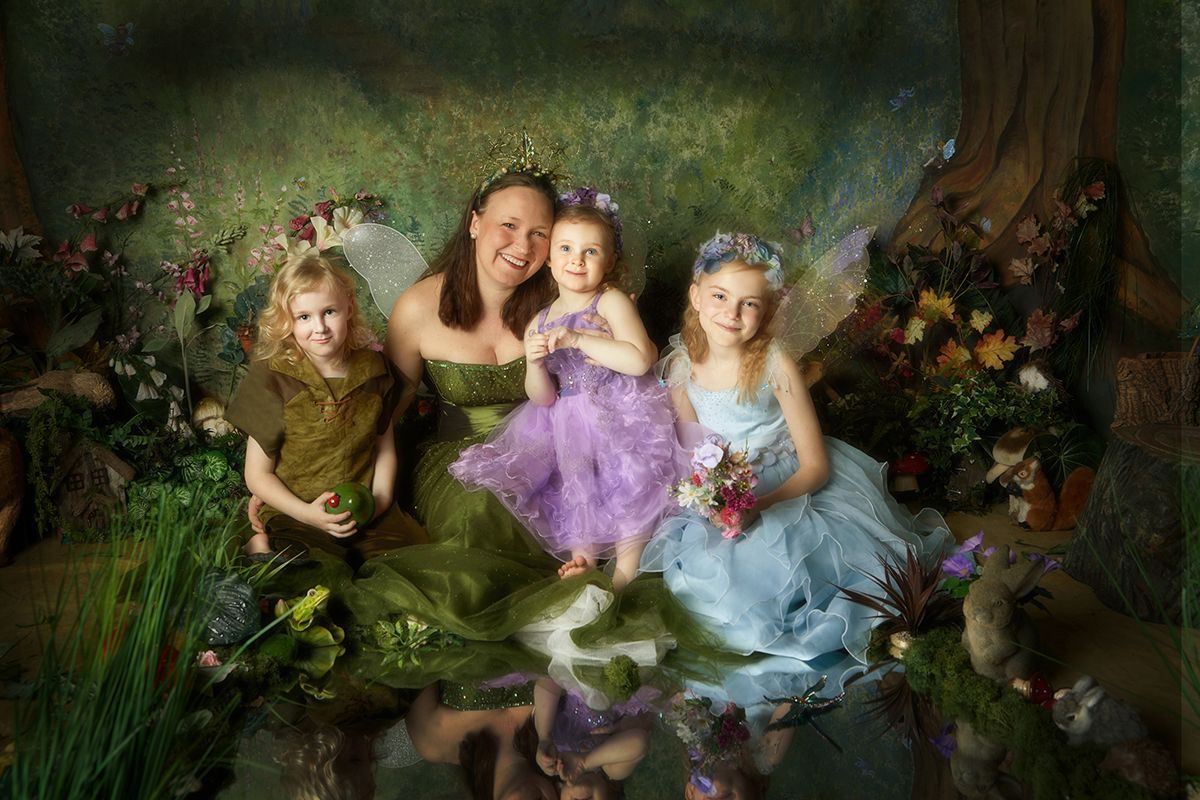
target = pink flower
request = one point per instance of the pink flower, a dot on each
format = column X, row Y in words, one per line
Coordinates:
column 88, row 245
column 63, row 251
column 1094, row 191
column 101, row 215
column 76, row 263
column 123, row 211
column 298, row 223
column 324, row 209
column 140, row 189
column 897, row 335
column 208, row 658
column 307, row 233
column 79, row 210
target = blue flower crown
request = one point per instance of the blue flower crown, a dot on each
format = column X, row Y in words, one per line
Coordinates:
column 589, row 197
column 726, row 247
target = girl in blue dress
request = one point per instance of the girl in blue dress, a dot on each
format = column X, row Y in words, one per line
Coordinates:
column 823, row 516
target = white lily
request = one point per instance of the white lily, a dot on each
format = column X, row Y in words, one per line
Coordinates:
column 294, row 245
column 327, row 236
column 345, row 218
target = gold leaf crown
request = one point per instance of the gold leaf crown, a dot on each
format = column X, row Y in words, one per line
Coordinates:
column 524, row 159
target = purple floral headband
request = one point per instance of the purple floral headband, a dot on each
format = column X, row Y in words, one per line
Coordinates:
column 590, row 198
column 726, row 247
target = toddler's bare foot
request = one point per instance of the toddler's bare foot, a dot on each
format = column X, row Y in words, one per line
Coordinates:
column 576, row 566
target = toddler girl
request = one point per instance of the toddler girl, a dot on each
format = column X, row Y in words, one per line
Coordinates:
column 823, row 516
column 317, row 406
column 586, row 463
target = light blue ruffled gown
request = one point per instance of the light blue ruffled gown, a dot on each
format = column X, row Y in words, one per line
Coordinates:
column 777, row 589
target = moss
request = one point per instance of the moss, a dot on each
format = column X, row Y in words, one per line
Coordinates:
column 937, row 666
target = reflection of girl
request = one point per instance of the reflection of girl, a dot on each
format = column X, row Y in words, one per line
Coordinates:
column 592, row 752
column 823, row 517
column 317, row 406
column 587, row 462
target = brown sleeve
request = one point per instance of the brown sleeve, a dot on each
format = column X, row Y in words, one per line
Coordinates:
column 257, row 408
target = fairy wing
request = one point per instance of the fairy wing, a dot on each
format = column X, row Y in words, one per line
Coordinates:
column 824, row 294
column 387, row 260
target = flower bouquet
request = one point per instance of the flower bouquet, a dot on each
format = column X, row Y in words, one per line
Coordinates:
column 721, row 486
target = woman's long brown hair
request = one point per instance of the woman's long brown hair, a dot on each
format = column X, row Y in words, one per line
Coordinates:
column 460, row 305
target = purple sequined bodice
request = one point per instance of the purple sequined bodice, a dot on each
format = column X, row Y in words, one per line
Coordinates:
column 569, row 365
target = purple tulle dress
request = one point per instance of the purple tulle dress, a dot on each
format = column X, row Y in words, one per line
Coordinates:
column 590, row 472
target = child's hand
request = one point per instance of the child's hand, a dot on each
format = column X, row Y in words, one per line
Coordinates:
column 570, row 766
column 547, row 757
column 562, row 338
column 535, row 346
column 338, row 526
column 255, row 506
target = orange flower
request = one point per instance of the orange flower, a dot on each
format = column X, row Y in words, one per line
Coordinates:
column 994, row 349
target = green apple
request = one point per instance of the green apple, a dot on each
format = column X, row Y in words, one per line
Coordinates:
column 355, row 498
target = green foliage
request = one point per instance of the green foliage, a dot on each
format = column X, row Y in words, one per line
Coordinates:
column 937, row 665
column 621, row 677
column 115, row 711
column 1073, row 446
column 402, row 640
column 960, row 411
column 48, row 433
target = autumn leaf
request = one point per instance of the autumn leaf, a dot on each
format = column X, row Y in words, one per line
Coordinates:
column 1095, row 190
column 915, row 331
column 934, row 307
column 1039, row 246
column 1039, row 331
column 980, row 320
column 953, row 356
column 994, row 349
column 1067, row 324
column 1022, row 269
column 1028, row 229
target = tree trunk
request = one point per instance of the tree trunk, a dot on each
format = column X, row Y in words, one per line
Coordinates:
column 16, row 204
column 1039, row 89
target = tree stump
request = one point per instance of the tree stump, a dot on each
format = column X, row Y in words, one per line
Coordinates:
column 1156, row 388
column 1129, row 543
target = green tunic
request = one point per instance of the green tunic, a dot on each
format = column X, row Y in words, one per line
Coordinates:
column 322, row 432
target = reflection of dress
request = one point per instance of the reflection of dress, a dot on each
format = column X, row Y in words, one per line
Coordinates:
column 591, row 470
column 777, row 589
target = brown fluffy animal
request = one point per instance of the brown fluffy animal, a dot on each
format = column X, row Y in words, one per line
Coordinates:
column 1037, row 507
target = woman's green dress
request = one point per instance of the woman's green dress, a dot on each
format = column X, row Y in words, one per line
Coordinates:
column 483, row 578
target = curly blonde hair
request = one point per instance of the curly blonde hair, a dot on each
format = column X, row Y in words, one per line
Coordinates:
column 754, row 358
column 299, row 275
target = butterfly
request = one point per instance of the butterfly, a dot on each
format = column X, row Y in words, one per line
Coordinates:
column 802, row 231
column 902, row 97
column 118, row 40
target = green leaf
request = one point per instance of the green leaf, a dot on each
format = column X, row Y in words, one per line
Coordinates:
column 74, row 334
column 185, row 314
column 205, row 302
column 154, row 343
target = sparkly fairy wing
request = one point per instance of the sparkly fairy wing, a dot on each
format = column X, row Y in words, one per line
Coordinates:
column 824, row 294
column 675, row 366
column 387, row 260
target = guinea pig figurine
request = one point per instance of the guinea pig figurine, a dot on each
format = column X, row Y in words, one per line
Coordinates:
column 999, row 637
column 1090, row 716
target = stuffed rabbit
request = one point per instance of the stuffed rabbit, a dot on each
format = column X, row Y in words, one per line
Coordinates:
column 998, row 635
column 1089, row 715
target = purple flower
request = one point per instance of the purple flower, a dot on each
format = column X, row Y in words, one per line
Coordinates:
column 944, row 742
column 974, row 543
column 703, row 783
column 1048, row 564
column 707, row 455
column 959, row 565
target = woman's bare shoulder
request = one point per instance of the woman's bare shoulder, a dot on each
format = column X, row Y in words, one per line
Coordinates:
column 418, row 299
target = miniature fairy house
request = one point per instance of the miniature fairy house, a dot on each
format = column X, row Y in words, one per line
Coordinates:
column 92, row 485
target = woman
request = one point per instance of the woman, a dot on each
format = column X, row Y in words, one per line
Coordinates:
column 486, row 284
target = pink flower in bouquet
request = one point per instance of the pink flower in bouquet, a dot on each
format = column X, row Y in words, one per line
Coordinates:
column 707, row 455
